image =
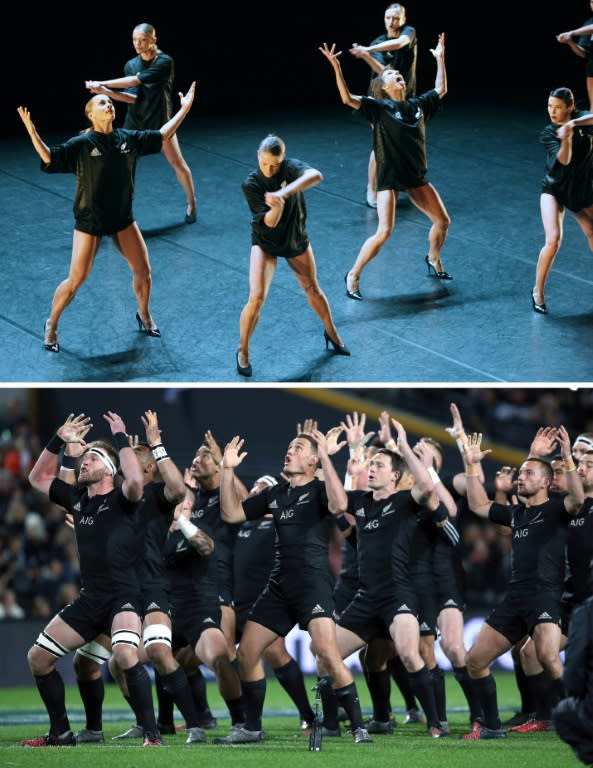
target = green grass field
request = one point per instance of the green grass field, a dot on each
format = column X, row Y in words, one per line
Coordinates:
column 22, row 716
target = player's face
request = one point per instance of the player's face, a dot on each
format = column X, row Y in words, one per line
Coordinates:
column 269, row 164
column 380, row 473
column 579, row 450
column 92, row 469
column 559, row 476
column 203, row 464
column 585, row 470
column 531, row 480
column 299, row 457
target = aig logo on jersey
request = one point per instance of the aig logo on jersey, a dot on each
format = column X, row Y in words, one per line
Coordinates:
column 286, row 514
column 88, row 520
column 371, row 525
column 521, row 533
column 577, row 523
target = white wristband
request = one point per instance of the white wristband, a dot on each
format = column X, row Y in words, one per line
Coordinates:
column 434, row 476
column 187, row 528
column 461, row 444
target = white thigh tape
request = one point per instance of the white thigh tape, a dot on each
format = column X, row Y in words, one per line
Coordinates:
column 50, row 645
column 157, row 633
column 95, row 652
column 127, row 636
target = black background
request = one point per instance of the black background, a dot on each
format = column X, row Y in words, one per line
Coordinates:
column 253, row 57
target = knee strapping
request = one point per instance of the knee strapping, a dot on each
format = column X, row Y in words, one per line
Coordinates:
column 125, row 637
column 95, row 652
column 157, row 633
column 50, row 645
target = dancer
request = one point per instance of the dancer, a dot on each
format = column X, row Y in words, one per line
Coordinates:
column 274, row 193
column 400, row 147
column 147, row 89
column 104, row 161
column 567, row 182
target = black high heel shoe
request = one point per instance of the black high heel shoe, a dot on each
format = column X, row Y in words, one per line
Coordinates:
column 339, row 349
column 147, row 331
column 54, row 347
column 356, row 294
column 433, row 273
column 539, row 308
column 243, row 370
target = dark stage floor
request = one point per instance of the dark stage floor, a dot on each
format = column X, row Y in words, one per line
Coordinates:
column 479, row 328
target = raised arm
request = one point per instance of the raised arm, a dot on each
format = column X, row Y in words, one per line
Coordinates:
column 40, row 146
column 171, row 126
column 477, row 498
column 423, row 486
column 132, row 486
column 175, row 489
column 336, row 494
column 231, row 509
column 440, row 83
column 574, row 485
column 45, row 469
column 349, row 99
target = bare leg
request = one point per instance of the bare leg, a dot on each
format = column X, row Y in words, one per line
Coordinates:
column 261, row 272
column 428, row 200
column 84, row 250
column 305, row 270
column 133, row 248
column 386, row 201
column 553, row 220
column 172, row 151
column 372, row 181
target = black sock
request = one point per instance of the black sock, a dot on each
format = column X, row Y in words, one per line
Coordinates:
column 401, row 678
column 52, row 692
column 440, row 698
column 254, row 694
column 290, row 677
column 197, row 683
column 347, row 697
column 236, row 710
column 165, row 701
column 92, row 694
column 541, row 690
column 140, row 692
column 176, row 686
column 379, row 684
column 469, row 689
column 329, row 704
column 421, row 683
column 527, row 700
column 486, row 690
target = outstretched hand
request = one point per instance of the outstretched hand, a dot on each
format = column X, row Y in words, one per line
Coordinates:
column 233, row 456
column 439, row 51
column 331, row 54
column 75, row 429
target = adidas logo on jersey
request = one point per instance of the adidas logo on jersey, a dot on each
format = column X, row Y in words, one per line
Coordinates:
column 153, row 607
column 318, row 609
column 273, row 505
column 95, row 152
column 544, row 615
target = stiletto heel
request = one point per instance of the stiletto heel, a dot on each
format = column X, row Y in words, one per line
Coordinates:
column 147, row 331
column 339, row 349
column 243, row 370
column 433, row 273
column 49, row 346
column 355, row 294
column 539, row 308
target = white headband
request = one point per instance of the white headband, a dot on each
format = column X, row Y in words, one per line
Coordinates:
column 268, row 480
column 105, row 459
column 583, row 439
